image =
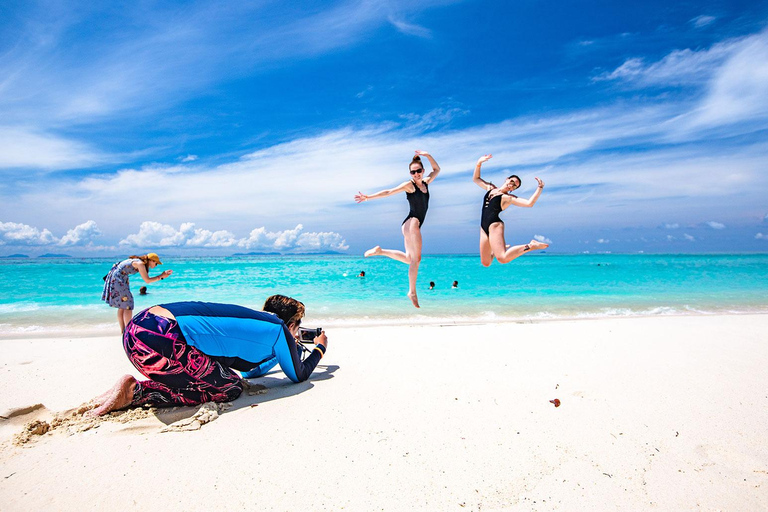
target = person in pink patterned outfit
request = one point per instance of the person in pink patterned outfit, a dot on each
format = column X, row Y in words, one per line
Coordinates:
column 191, row 352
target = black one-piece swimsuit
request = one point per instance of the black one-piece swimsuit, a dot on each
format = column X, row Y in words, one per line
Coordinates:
column 419, row 202
column 491, row 210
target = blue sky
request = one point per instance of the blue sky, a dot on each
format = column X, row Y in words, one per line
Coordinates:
column 213, row 128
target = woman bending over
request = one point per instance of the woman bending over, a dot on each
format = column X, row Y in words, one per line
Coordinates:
column 117, row 289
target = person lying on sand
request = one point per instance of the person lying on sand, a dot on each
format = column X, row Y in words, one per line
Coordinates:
column 189, row 351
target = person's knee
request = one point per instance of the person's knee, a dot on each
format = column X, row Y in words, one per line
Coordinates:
column 486, row 263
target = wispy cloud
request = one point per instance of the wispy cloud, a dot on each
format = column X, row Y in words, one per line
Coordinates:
column 542, row 238
column 438, row 117
column 410, row 29
column 702, row 21
column 715, row 225
column 679, row 67
column 124, row 67
column 733, row 74
column 24, row 148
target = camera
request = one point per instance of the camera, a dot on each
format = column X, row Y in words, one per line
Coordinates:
column 307, row 335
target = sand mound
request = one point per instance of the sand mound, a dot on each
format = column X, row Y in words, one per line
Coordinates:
column 75, row 420
column 205, row 414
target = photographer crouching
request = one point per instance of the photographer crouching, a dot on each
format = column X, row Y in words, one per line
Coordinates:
column 189, row 351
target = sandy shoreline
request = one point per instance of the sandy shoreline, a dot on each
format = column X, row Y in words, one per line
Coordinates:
column 663, row 413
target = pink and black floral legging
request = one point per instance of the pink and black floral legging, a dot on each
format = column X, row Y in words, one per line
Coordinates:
column 179, row 373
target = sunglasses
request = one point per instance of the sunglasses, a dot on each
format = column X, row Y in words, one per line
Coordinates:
column 417, row 171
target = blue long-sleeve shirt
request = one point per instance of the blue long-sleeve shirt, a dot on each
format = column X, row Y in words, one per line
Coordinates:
column 249, row 341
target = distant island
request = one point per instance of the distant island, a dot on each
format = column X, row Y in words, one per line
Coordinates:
column 15, row 256
column 51, row 255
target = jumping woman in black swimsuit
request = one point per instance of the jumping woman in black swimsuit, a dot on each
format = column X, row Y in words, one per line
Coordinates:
column 417, row 193
column 492, row 227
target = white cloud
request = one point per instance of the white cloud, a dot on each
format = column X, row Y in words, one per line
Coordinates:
column 761, row 236
column 434, row 118
column 679, row 67
column 82, row 234
column 702, row 21
column 715, row 225
column 603, row 241
column 189, row 158
column 739, row 90
column 293, row 240
column 364, row 92
column 22, row 147
column 542, row 239
column 409, row 28
column 12, row 233
column 734, row 74
column 670, row 238
column 155, row 234
column 672, row 226
column 688, row 237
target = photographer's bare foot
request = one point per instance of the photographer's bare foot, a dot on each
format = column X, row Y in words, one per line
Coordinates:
column 119, row 397
column 414, row 299
column 373, row 252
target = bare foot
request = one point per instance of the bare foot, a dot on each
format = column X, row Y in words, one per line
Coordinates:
column 119, row 397
column 535, row 245
column 414, row 299
column 373, row 252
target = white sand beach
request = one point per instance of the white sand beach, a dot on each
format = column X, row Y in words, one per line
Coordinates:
column 662, row 413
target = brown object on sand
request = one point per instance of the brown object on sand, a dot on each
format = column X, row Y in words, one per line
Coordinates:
column 556, row 401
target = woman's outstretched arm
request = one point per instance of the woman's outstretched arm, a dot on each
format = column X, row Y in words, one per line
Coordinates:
column 485, row 185
column 435, row 168
column 360, row 197
column 527, row 203
column 143, row 273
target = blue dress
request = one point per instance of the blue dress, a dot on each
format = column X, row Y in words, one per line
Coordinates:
column 117, row 289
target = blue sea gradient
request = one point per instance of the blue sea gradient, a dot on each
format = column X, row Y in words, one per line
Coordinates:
column 46, row 296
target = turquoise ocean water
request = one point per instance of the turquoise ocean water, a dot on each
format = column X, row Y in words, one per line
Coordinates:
column 54, row 296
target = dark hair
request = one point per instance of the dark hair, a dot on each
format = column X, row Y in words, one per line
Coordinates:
column 287, row 309
column 416, row 160
column 518, row 179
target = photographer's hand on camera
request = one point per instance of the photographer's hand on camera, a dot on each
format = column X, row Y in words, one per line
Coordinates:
column 322, row 340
